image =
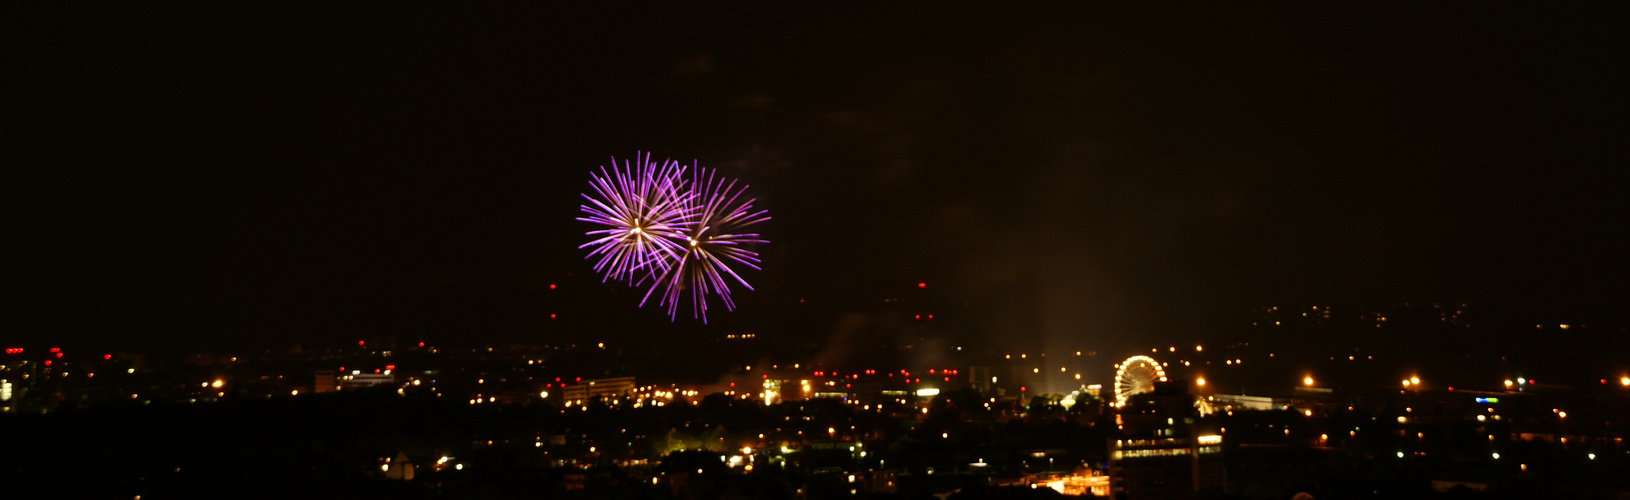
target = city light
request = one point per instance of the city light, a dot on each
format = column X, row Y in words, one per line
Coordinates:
column 1307, row 381
column 1199, row 381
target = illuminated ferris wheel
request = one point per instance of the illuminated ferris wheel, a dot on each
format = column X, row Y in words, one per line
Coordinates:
column 1136, row 375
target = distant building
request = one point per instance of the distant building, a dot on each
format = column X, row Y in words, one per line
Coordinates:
column 980, row 378
column 327, row 381
column 365, row 380
column 399, row 468
column 1228, row 402
column 598, row 388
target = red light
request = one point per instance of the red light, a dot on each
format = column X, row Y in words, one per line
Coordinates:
column 551, row 286
column 922, row 285
column 47, row 362
column 342, row 368
column 59, row 354
column 551, row 315
column 579, row 379
column 766, row 377
column 1604, row 381
column 930, row 316
column 947, row 379
column 390, row 367
column 110, row 356
column 732, row 384
column 1021, row 388
column 845, row 386
column 421, row 344
column 930, row 371
column 1451, row 389
column 557, row 379
column 55, row 349
column 891, row 374
column 919, row 316
column 359, row 342
column 376, row 370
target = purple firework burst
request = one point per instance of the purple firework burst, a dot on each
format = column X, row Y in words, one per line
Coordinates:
column 682, row 233
column 643, row 206
column 712, row 239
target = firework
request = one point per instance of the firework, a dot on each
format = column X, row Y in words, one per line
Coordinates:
column 710, row 239
column 683, row 234
column 643, row 206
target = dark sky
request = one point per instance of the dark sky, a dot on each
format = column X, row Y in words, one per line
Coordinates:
column 257, row 175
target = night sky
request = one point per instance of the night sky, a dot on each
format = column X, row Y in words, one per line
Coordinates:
column 255, row 176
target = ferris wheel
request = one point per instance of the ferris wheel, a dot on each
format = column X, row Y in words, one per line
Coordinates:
column 1136, row 375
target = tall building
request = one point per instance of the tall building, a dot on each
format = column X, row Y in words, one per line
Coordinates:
column 1162, row 452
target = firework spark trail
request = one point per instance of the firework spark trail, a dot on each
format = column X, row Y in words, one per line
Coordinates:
column 713, row 217
column 644, row 205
